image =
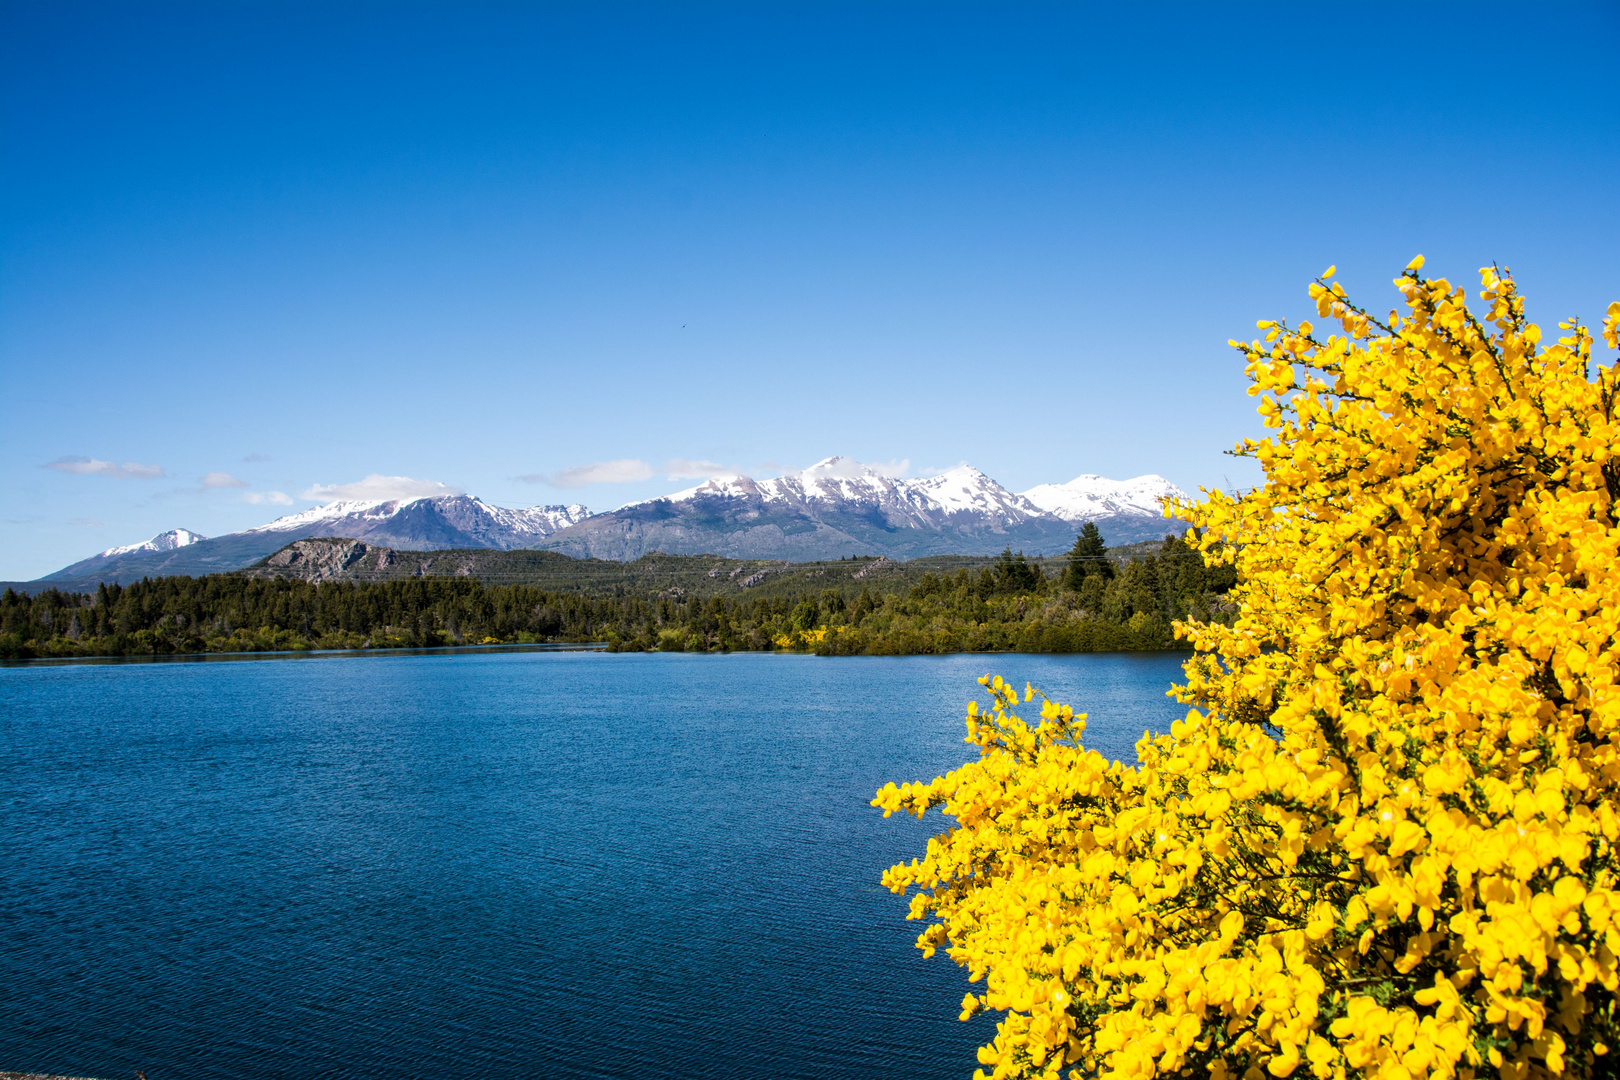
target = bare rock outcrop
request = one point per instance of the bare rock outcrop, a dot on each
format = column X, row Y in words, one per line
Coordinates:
column 318, row 560
column 875, row 567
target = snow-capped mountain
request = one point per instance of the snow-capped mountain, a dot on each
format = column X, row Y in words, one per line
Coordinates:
column 966, row 490
column 836, row 507
column 840, row 484
column 423, row 524
column 1089, row 497
column 840, row 507
column 165, row 541
column 437, row 521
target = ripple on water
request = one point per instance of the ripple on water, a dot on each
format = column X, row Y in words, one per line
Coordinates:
column 495, row 865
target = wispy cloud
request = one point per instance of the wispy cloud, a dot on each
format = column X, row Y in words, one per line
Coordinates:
column 849, row 467
column 630, row 471
column 270, row 498
column 681, row 469
column 256, row 457
column 88, row 523
column 80, row 465
column 623, row 471
column 377, row 486
column 222, row 480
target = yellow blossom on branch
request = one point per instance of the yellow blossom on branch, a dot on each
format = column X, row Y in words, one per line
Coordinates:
column 1380, row 843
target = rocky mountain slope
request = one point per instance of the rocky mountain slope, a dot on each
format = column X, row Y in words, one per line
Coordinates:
column 321, row 559
column 673, row 576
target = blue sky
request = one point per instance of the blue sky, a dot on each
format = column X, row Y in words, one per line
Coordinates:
column 258, row 252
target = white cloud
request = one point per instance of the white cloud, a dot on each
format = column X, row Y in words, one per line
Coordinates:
column 623, row 471
column 849, row 468
column 376, row 486
column 222, row 480
column 256, row 457
column 80, row 465
column 682, row 469
column 273, row 498
column 630, row 471
column 87, row 523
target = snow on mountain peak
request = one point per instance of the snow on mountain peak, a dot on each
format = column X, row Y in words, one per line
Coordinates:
column 836, row 467
column 834, row 478
column 733, row 486
column 164, row 541
column 965, row 489
column 340, row 508
column 496, row 526
column 839, row 467
column 1091, row 496
column 844, row 482
column 961, row 489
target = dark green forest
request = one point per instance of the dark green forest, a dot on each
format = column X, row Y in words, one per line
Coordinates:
column 1097, row 603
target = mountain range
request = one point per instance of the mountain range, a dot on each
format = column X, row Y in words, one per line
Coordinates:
column 835, row 508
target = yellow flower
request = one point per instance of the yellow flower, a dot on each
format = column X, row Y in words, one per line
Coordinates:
column 1381, row 841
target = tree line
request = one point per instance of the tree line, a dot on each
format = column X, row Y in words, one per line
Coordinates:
column 1092, row 605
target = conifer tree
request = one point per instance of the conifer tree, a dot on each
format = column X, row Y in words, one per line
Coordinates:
column 1088, row 556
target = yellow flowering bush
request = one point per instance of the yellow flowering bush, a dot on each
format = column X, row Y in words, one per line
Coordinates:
column 1381, row 841
column 807, row 639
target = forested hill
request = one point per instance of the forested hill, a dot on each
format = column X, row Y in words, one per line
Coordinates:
column 694, row 603
column 331, row 559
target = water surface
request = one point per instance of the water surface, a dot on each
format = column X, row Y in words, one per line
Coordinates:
column 489, row 865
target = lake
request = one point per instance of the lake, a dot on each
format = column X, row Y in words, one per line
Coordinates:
column 564, row 864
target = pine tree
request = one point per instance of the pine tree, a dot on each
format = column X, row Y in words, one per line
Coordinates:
column 1088, row 556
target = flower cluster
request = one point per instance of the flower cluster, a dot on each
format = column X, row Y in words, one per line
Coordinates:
column 807, row 639
column 1381, row 842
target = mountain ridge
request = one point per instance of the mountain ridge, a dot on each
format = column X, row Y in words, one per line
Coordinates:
column 835, row 508
column 172, row 540
column 425, row 523
column 839, row 507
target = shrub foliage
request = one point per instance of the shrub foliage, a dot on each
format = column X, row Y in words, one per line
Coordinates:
column 1381, row 841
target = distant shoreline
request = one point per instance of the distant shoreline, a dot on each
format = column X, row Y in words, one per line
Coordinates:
column 292, row 654
column 458, row 650
column 1101, row 600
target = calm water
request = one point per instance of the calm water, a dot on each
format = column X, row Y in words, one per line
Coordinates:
column 490, row 866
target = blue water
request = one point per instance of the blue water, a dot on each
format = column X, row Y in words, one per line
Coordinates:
column 489, row 866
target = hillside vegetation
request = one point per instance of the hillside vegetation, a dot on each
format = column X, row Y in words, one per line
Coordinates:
column 1099, row 600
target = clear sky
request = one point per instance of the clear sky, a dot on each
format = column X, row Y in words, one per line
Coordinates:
column 251, row 254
